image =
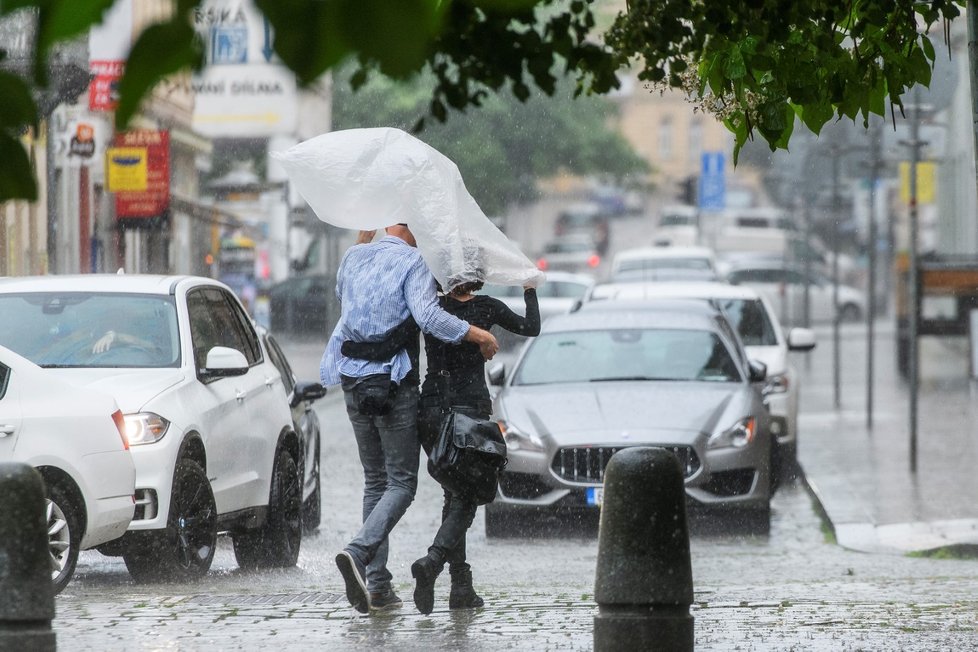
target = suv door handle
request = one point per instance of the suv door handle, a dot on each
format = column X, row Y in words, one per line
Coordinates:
column 269, row 381
column 6, row 430
column 240, row 396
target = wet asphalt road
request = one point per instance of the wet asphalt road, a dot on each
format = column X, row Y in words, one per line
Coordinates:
column 791, row 590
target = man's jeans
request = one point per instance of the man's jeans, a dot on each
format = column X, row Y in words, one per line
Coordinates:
column 389, row 453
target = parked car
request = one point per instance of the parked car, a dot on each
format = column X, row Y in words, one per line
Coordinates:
column 664, row 264
column 756, row 323
column 301, row 396
column 678, row 226
column 576, row 252
column 586, row 219
column 206, row 415
column 784, row 287
column 299, row 305
column 758, row 229
column 557, row 295
column 75, row 438
column 608, row 377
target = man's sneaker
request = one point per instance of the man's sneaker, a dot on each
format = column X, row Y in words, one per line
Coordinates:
column 385, row 601
column 353, row 573
column 425, row 571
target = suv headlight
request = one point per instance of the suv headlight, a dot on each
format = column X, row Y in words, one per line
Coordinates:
column 739, row 436
column 145, row 428
column 519, row 441
column 776, row 384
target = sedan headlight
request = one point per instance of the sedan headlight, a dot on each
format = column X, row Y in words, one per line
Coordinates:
column 739, row 436
column 776, row 384
column 519, row 441
column 145, row 428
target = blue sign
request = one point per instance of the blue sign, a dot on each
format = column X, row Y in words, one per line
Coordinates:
column 229, row 44
column 713, row 189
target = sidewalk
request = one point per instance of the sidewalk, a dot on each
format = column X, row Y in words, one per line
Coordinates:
column 861, row 476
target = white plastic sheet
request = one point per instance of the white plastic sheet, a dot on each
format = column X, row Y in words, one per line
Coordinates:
column 374, row 178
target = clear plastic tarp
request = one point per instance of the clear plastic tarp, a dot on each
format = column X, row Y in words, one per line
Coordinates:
column 374, row 178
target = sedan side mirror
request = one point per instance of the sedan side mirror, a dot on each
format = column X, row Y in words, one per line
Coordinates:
column 758, row 371
column 223, row 362
column 801, row 339
column 307, row 391
column 496, row 372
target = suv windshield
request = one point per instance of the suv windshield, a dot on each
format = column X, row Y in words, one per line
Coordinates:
column 627, row 354
column 87, row 329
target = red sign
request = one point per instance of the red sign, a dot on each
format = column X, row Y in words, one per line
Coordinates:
column 103, row 92
column 156, row 198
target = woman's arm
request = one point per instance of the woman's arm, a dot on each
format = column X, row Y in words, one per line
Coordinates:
column 514, row 323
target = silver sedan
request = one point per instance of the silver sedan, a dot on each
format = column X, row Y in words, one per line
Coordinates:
column 595, row 382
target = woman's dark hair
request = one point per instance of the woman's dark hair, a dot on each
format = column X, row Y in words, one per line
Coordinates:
column 467, row 287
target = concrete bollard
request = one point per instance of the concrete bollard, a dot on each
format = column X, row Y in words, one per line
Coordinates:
column 26, row 591
column 644, row 583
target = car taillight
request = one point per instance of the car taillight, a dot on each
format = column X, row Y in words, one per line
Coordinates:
column 594, row 261
column 542, row 263
column 120, row 424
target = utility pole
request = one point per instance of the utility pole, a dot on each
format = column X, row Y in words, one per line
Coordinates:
column 915, row 144
column 836, row 152
column 875, row 165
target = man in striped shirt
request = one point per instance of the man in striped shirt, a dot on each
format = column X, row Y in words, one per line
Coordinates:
column 379, row 286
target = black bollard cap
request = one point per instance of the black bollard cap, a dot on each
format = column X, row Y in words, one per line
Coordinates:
column 26, row 590
column 643, row 539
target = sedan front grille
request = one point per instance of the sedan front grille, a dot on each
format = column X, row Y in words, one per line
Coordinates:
column 586, row 463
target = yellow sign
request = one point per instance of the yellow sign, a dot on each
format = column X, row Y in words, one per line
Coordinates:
column 127, row 169
column 926, row 182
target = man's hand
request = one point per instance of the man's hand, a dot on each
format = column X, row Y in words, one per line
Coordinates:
column 486, row 341
column 104, row 343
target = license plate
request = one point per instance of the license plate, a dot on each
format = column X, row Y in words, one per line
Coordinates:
column 595, row 495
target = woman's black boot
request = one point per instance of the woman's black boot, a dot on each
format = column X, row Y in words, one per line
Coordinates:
column 425, row 571
column 463, row 596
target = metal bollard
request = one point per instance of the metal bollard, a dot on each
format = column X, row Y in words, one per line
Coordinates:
column 26, row 592
column 644, row 583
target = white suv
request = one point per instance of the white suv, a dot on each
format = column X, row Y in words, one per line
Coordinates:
column 206, row 415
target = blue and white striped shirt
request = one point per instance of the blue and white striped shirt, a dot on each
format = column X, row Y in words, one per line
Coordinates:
column 379, row 285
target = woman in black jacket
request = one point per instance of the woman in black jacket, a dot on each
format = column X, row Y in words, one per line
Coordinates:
column 455, row 380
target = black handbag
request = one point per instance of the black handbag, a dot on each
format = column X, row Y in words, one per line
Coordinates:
column 468, row 456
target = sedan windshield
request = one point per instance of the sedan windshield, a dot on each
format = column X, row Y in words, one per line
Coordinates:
column 627, row 354
column 82, row 329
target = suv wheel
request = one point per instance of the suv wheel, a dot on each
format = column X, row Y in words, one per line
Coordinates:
column 276, row 543
column 312, row 507
column 64, row 535
column 185, row 550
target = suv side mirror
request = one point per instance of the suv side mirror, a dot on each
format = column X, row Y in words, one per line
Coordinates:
column 222, row 362
column 307, row 391
column 801, row 339
column 496, row 372
column 758, row 371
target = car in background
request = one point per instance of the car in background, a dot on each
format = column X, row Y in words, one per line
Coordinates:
column 678, row 226
column 206, row 416
column 587, row 219
column 576, row 252
column 557, row 295
column 75, row 438
column 754, row 319
column 757, row 229
column 602, row 379
column 784, row 286
column 300, row 305
column 301, row 395
column 664, row 264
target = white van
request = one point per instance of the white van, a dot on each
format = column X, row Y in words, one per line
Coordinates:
column 678, row 225
column 767, row 230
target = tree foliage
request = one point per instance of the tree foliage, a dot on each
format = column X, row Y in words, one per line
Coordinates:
column 505, row 146
column 755, row 63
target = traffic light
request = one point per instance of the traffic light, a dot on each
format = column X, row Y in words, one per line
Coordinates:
column 686, row 190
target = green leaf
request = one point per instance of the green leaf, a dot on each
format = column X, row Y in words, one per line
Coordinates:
column 928, row 47
column 16, row 178
column 67, row 18
column 17, row 107
column 162, row 49
column 506, row 6
column 308, row 35
column 815, row 115
column 735, row 68
column 397, row 35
